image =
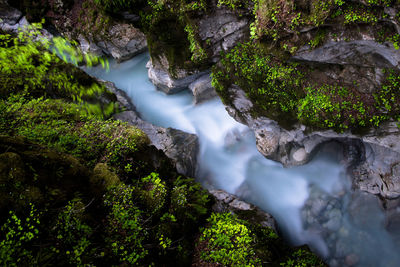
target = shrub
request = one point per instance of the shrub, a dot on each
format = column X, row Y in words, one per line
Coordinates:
column 228, row 242
column 153, row 192
column 16, row 236
column 72, row 234
column 67, row 128
column 125, row 232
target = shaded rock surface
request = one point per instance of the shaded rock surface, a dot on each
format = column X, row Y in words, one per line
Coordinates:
column 226, row 202
column 122, row 41
column 222, row 30
column 9, row 15
column 202, row 89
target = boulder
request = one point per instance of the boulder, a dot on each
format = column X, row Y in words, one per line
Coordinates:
column 182, row 148
column 164, row 81
column 202, row 89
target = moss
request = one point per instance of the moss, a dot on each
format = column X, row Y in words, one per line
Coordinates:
column 102, row 178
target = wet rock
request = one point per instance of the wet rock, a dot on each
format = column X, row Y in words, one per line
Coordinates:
column 89, row 46
column 393, row 220
column 335, row 220
column 378, row 174
column 162, row 79
column 202, row 89
column 226, row 202
column 364, row 208
column 351, row 260
column 299, row 155
column 177, row 145
column 374, row 158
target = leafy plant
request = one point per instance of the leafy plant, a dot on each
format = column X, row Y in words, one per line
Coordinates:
column 228, row 242
column 16, row 235
column 28, row 66
column 125, row 232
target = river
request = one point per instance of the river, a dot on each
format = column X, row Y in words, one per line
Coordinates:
column 312, row 204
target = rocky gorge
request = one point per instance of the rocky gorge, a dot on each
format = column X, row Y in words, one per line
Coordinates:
column 356, row 51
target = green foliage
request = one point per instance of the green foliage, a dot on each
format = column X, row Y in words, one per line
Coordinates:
column 229, row 242
column 233, row 4
column 153, row 192
column 198, row 53
column 27, row 65
column 67, row 128
column 281, row 20
column 72, row 234
column 302, row 258
column 125, row 232
column 16, row 235
column 274, row 87
column 335, row 107
column 388, row 98
column 282, row 91
column 188, row 200
column 115, row 6
column 170, row 32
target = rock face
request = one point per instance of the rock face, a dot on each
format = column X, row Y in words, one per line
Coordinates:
column 122, row 42
column 182, row 148
column 9, row 15
column 222, row 30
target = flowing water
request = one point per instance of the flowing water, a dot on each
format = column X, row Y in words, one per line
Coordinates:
column 312, row 204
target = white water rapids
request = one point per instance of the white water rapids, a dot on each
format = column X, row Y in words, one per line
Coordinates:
column 312, row 204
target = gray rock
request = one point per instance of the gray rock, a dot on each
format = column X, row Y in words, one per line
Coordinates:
column 89, row 46
column 226, row 202
column 365, row 53
column 9, row 15
column 222, row 29
column 202, row 89
column 123, row 41
column 180, row 147
column 161, row 78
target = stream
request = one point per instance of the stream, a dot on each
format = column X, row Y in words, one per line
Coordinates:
column 312, row 204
